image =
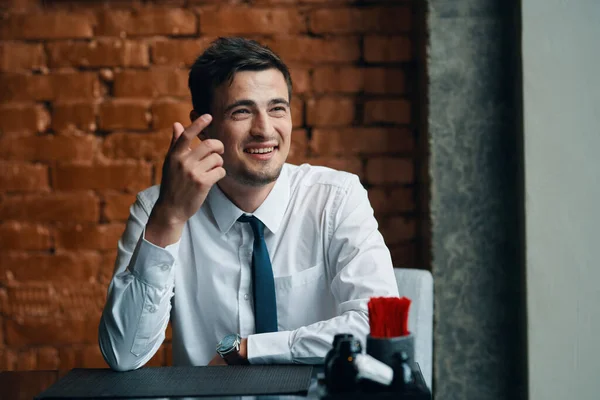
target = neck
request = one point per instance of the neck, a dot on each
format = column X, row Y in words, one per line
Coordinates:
column 246, row 198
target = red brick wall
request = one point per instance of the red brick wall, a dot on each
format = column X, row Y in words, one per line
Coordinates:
column 88, row 92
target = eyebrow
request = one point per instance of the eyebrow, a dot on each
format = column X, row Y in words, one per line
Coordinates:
column 252, row 103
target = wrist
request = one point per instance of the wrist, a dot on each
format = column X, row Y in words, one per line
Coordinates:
column 244, row 349
column 162, row 229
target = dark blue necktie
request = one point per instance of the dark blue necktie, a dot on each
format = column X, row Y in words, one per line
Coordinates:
column 265, row 304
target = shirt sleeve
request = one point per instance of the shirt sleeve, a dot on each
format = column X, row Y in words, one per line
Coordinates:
column 136, row 313
column 361, row 267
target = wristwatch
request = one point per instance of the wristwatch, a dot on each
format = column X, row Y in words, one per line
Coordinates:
column 229, row 349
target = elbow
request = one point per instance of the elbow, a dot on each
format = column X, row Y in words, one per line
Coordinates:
column 117, row 358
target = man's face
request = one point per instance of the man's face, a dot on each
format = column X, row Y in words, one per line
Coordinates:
column 251, row 116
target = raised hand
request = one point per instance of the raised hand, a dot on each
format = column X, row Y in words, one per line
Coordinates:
column 188, row 175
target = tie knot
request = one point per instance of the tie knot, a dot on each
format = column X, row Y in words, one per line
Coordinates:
column 257, row 226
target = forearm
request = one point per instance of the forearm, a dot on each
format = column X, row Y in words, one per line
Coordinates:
column 308, row 344
column 138, row 303
column 133, row 323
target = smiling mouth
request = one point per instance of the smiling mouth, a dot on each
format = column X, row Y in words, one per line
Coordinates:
column 263, row 150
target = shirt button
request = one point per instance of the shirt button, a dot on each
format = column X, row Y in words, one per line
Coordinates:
column 164, row 267
column 151, row 308
column 246, row 297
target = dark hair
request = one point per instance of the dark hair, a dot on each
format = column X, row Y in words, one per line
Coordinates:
column 222, row 60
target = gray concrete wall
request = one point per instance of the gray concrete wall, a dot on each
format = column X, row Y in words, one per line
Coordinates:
column 476, row 210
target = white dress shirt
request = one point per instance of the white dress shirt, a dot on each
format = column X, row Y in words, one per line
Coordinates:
column 328, row 259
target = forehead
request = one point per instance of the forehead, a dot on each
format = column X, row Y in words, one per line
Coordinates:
column 259, row 86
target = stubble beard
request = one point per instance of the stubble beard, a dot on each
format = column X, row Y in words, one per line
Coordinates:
column 247, row 177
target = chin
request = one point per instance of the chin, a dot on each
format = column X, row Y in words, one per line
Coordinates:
column 252, row 177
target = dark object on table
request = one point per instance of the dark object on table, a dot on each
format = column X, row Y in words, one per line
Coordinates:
column 340, row 370
column 182, row 382
column 417, row 390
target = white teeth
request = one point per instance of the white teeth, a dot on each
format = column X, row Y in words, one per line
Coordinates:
column 261, row 151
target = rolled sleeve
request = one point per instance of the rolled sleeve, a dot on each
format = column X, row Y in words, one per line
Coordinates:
column 270, row 348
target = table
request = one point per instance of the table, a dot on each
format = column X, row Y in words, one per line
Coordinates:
column 17, row 385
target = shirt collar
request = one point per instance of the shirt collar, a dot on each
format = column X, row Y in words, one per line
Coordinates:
column 270, row 211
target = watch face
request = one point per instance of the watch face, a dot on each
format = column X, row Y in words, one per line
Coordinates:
column 227, row 343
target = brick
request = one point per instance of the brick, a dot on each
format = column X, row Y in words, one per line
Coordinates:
column 338, row 142
column 107, row 268
column 56, row 86
column 20, row 6
column 385, row 49
column 23, row 177
column 152, row 146
column 23, row 118
column 384, row 81
column 131, row 176
column 393, row 200
column 19, row 56
column 50, row 331
column 166, row 113
column 47, row 148
column 360, row 20
column 89, row 237
column 30, row 299
column 149, row 21
column 80, row 115
column 387, row 111
column 69, row 358
column 56, row 298
column 388, row 170
column 158, row 359
column 47, row 358
column 116, row 205
column 151, row 83
column 396, row 230
column 91, row 357
column 300, row 79
column 26, row 360
column 298, row 147
column 47, row 25
column 179, row 52
column 124, row 114
column 73, row 207
column 72, row 266
column 297, row 112
column 168, row 354
column 22, row 236
column 348, row 164
column 316, row 50
column 98, row 53
column 330, row 111
column 8, row 359
column 244, row 20
column 342, row 79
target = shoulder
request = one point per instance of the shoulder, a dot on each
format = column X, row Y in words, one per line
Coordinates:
column 307, row 175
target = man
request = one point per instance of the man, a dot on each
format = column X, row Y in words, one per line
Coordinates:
column 238, row 249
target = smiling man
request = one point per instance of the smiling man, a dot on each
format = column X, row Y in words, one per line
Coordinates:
column 251, row 259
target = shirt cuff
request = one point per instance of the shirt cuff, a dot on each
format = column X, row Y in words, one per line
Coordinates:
column 153, row 264
column 270, row 348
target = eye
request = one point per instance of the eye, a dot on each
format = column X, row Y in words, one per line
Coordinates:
column 279, row 110
column 241, row 111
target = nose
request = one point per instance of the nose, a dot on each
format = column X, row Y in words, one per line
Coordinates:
column 261, row 125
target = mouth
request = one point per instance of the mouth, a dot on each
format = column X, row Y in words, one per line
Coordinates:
column 263, row 153
column 261, row 150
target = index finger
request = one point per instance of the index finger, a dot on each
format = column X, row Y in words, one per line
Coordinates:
column 193, row 131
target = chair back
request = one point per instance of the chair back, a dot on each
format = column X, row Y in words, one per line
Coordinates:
column 417, row 285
